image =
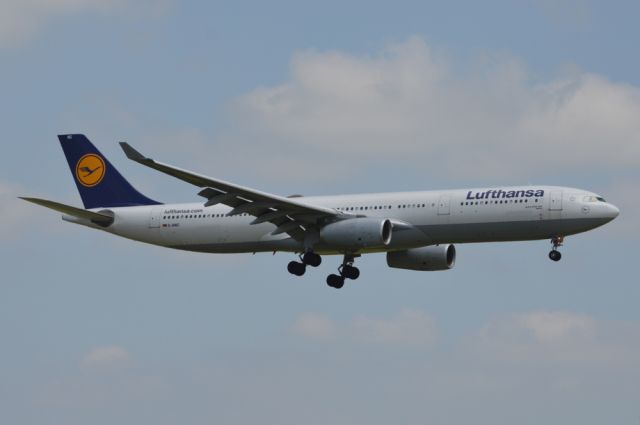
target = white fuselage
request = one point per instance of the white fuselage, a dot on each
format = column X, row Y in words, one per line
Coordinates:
column 419, row 218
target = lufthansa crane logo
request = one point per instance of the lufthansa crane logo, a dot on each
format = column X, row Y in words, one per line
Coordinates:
column 90, row 170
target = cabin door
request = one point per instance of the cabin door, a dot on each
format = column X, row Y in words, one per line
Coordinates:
column 555, row 200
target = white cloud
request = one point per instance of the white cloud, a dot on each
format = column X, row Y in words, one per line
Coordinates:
column 409, row 107
column 555, row 326
column 558, row 338
column 580, row 368
column 338, row 111
column 107, row 357
column 21, row 19
column 535, row 338
column 314, row 325
column 407, row 328
column 105, row 380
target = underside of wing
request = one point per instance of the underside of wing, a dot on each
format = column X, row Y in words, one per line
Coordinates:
column 290, row 215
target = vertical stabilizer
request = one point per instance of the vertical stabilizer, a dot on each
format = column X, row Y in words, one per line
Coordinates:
column 99, row 183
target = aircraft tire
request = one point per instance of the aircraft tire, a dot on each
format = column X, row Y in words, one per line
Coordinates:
column 335, row 281
column 351, row 272
column 555, row 255
column 312, row 259
column 296, row 268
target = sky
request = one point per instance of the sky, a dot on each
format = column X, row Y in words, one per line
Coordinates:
column 319, row 98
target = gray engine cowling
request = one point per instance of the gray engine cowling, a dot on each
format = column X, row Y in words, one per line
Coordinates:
column 428, row 258
column 357, row 233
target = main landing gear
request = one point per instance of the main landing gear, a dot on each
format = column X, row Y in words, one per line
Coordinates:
column 346, row 270
column 307, row 259
column 557, row 242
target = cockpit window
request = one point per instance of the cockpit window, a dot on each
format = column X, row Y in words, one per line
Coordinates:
column 593, row 199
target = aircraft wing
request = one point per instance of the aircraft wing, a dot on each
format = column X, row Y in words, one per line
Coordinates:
column 98, row 218
column 289, row 214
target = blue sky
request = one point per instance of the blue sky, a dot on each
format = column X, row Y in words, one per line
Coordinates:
column 319, row 98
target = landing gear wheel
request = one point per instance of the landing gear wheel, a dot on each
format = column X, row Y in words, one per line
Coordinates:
column 311, row 259
column 555, row 255
column 350, row 272
column 296, row 268
column 335, row 281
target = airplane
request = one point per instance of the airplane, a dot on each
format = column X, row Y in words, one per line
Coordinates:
column 416, row 230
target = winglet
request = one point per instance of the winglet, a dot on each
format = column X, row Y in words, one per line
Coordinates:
column 133, row 154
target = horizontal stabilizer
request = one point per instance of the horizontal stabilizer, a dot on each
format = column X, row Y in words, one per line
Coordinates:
column 98, row 218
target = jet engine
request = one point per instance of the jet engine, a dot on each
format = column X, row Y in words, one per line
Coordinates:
column 357, row 233
column 428, row 258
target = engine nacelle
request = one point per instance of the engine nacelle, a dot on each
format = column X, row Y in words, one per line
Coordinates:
column 428, row 258
column 357, row 233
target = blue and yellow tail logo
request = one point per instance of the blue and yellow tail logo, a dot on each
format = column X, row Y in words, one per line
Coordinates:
column 90, row 170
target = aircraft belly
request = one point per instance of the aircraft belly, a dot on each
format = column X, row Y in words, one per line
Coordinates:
column 288, row 245
column 240, row 237
column 508, row 230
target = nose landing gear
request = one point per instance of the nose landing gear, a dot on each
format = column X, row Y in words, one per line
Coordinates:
column 555, row 255
column 346, row 270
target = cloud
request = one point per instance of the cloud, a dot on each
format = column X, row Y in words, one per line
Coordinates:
column 107, row 357
column 581, row 368
column 408, row 328
column 578, row 367
column 338, row 111
column 555, row 326
column 409, row 107
column 22, row 19
column 554, row 339
column 535, row 338
column 314, row 325
column 104, row 384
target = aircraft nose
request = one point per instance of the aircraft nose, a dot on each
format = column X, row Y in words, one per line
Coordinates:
column 612, row 211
